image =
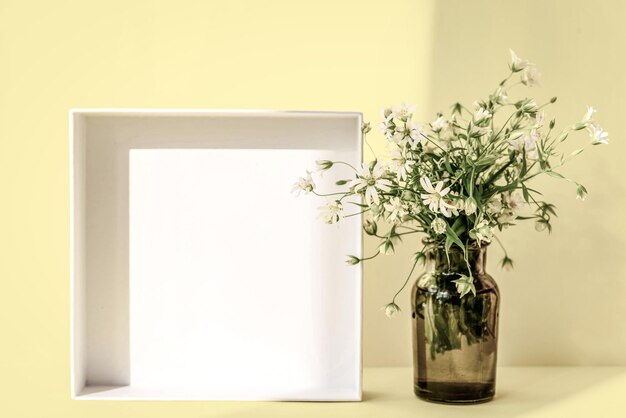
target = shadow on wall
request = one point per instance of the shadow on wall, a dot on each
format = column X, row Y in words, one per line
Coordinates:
column 563, row 303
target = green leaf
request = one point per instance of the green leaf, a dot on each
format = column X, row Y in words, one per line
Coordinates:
column 419, row 257
column 506, row 188
column 548, row 208
column 386, row 247
column 341, row 182
column 576, row 152
column 526, row 194
column 453, row 238
column 535, row 191
column 555, row 174
column 459, row 226
column 446, row 162
column 524, row 168
column 448, row 243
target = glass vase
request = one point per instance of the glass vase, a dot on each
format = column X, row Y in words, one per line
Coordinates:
column 455, row 339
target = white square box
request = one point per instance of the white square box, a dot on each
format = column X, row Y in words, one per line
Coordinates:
column 195, row 273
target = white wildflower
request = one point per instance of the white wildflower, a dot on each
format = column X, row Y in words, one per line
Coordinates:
column 518, row 64
column 494, row 205
column 514, row 201
column 525, row 142
column 589, row 114
column 470, row 206
column 478, row 131
column 404, row 112
column 372, row 181
column 397, row 137
column 332, row 212
column 304, row 184
column 438, row 225
column 413, row 133
column 410, row 132
column 502, row 97
column 598, row 135
column 400, row 164
column 438, row 124
column 540, row 119
column 387, row 129
column 395, row 208
column 482, row 231
column 507, row 217
column 530, row 76
column 456, row 206
column 481, row 114
column 434, row 197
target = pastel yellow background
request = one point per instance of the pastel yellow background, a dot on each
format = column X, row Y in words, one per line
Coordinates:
column 563, row 305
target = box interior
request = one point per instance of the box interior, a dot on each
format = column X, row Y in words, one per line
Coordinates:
column 196, row 273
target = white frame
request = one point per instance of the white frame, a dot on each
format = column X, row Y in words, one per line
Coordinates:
column 78, row 311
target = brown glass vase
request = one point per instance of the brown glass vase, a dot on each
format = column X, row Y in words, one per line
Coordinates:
column 455, row 339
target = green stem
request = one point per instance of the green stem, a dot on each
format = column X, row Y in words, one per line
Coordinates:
column 501, row 246
column 393, row 300
column 344, row 163
column 369, row 146
column 371, row 257
column 328, row 194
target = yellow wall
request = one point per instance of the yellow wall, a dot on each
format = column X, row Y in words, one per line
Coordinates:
column 562, row 305
column 55, row 55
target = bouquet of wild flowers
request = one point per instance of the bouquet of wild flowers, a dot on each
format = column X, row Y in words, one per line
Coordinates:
column 461, row 178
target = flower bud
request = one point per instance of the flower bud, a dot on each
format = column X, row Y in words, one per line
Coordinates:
column 470, row 206
column 370, row 227
column 392, row 310
column 365, row 128
column 324, row 164
column 540, row 225
column 352, row 260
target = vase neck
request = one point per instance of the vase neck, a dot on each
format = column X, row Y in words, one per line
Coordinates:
column 455, row 261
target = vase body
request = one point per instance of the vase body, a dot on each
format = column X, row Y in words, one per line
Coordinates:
column 455, row 339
